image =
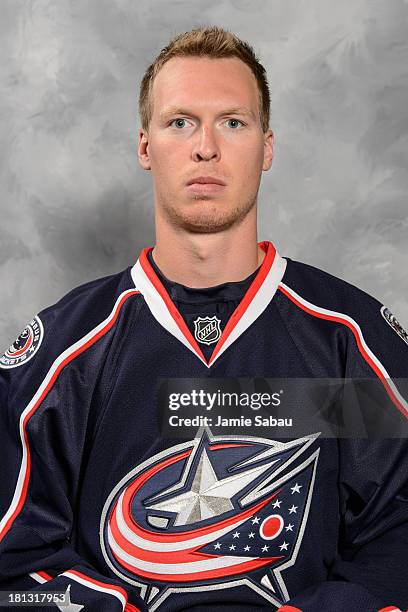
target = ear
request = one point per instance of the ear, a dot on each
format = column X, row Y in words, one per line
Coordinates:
column 143, row 150
column 268, row 150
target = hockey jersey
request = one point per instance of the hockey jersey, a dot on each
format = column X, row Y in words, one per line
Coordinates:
column 104, row 499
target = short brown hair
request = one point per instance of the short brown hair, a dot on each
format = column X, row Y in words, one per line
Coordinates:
column 213, row 42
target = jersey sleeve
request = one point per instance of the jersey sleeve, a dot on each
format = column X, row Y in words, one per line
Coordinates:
column 371, row 569
column 47, row 383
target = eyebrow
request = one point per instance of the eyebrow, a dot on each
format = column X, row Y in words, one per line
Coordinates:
column 176, row 110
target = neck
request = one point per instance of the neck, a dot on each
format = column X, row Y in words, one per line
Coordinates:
column 205, row 260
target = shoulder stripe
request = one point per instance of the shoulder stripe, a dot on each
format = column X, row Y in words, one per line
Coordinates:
column 61, row 361
column 366, row 352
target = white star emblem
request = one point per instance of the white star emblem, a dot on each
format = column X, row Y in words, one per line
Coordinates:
column 236, row 534
column 293, row 509
column 277, row 504
column 265, row 548
column 296, row 488
column 217, row 545
column 69, row 606
column 284, row 546
column 289, row 527
column 208, row 496
column 251, row 535
column 247, row 548
column 255, row 520
column 232, row 547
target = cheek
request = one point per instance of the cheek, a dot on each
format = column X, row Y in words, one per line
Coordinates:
column 165, row 164
column 249, row 151
column 248, row 163
column 167, row 157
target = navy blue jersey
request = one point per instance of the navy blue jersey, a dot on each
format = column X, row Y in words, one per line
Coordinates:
column 97, row 501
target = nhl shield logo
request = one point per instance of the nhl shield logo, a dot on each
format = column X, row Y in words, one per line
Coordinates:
column 207, row 329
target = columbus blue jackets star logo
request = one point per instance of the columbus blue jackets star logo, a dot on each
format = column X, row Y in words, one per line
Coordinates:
column 209, row 513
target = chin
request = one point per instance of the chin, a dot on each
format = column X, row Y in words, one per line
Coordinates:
column 206, row 228
column 206, row 215
column 211, row 224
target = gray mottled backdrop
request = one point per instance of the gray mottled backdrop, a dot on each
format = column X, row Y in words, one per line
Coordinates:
column 75, row 205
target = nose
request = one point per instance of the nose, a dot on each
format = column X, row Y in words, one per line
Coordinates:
column 206, row 147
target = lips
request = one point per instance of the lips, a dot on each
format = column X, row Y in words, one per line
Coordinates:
column 206, row 180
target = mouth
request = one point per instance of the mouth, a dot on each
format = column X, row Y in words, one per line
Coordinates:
column 205, row 180
column 205, row 185
column 203, row 188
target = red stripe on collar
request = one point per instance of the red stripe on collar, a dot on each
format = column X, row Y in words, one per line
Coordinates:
column 242, row 307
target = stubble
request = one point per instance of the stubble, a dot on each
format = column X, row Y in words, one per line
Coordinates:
column 209, row 218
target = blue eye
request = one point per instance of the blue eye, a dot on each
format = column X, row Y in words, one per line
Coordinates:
column 236, row 121
column 177, row 122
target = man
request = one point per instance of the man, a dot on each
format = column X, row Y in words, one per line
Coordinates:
column 99, row 498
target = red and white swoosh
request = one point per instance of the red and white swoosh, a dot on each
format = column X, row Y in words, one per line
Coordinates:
column 174, row 557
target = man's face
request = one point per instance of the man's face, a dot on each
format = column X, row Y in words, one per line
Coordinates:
column 205, row 123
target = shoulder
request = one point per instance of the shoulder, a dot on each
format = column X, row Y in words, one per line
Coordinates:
column 87, row 310
column 93, row 301
column 377, row 333
column 325, row 290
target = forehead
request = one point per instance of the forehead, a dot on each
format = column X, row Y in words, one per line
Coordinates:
column 204, row 82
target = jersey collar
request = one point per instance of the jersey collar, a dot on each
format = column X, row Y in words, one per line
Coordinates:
column 252, row 305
